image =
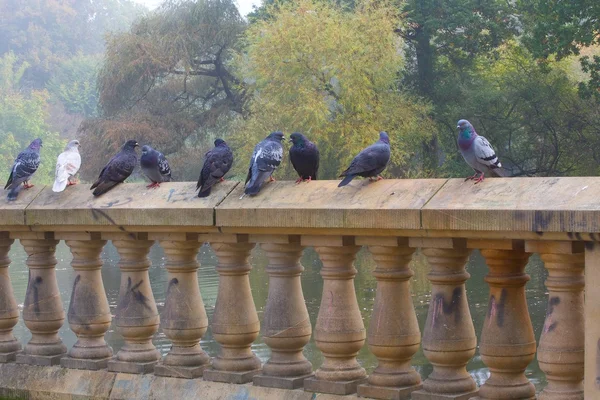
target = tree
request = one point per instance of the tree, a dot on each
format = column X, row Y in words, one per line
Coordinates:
column 319, row 69
column 563, row 28
column 22, row 119
column 167, row 82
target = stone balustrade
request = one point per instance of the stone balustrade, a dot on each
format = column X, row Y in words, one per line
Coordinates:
column 507, row 220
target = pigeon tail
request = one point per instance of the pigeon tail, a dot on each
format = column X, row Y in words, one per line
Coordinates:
column 347, row 179
column 103, row 187
column 256, row 184
column 14, row 192
column 59, row 186
column 500, row 172
column 205, row 193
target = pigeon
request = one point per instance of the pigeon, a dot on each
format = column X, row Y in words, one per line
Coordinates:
column 477, row 152
column 26, row 163
column 305, row 157
column 67, row 166
column 117, row 170
column 155, row 166
column 266, row 157
column 217, row 163
column 370, row 162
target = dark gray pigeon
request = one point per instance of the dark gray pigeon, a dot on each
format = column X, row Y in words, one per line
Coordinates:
column 265, row 159
column 370, row 162
column 155, row 166
column 304, row 155
column 217, row 163
column 26, row 163
column 478, row 152
column 117, row 170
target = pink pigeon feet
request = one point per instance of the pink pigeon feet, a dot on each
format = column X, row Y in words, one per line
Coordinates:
column 69, row 183
column 271, row 179
column 299, row 180
column 153, row 185
column 222, row 179
column 379, row 177
column 26, row 185
column 470, row 178
column 480, row 179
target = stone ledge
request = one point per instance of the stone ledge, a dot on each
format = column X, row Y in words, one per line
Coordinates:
column 18, row 381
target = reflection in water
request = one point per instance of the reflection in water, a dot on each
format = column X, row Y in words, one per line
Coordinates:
column 312, row 285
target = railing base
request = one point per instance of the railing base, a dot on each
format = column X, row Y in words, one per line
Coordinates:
column 213, row 375
column 176, row 371
column 79, row 363
column 115, row 365
column 387, row 393
column 423, row 395
column 42, row 361
column 329, row 387
column 281, row 382
column 9, row 357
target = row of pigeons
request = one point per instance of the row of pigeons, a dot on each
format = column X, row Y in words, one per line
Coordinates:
column 267, row 156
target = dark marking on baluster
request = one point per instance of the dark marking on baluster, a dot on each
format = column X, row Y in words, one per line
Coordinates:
column 541, row 221
column 96, row 215
column 71, row 313
column 598, row 365
column 133, row 293
column 36, row 300
column 496, row 308
column 549, row 324
column 441, row 306
column 578, row 236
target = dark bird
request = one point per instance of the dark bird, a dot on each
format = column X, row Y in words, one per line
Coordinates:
column 217, row 162
column 478, row 152
column 304, row 155
column 155, row 166
column 26, row 163
column 117, row 170
column 370, row 162
column 265, row 159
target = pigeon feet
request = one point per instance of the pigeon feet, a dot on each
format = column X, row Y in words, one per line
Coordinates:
column 299, row 180
column 480, row 179
column 222, row 179
column 27, row 185
column 69, row 183
column 153, row 185
column 271, row 179
column 470, row 178
column 379, row 177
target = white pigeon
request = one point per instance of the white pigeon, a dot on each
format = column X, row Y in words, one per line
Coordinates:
column 67, row 165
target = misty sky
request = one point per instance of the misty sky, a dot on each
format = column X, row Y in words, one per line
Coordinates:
column 245, row 6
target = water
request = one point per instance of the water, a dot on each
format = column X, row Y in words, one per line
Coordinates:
column 312, row 284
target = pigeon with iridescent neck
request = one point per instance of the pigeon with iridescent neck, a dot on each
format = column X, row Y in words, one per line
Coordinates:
column 265, row 159
column 478, row 152
column 304, row 155
column 26, row 163
column 155, row 166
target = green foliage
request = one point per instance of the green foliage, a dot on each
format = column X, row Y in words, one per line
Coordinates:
column 22, row 119
column 315, row 68
column 74, row 85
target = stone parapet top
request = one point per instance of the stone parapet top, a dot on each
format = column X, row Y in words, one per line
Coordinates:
column 536, row 205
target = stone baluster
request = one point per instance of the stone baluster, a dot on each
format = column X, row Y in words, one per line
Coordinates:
column 449, row 339
column 507, row 342
column 184, row 319
column 136, row 317
column 89, row 312
column 561, row 350
column 286, row 326
column 9, row 313
column 235, row 322
column 393, row 335
column 592, row 323
column 42, row 311
column 339, row 332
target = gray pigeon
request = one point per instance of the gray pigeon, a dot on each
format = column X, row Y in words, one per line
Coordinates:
column 155, row 166
column 478, row 152
column 117, row 170
column 217, row 163
column 26, row 163
column 266, row 157
column 370, row 162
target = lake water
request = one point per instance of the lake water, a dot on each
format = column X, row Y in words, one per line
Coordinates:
column 312, row 284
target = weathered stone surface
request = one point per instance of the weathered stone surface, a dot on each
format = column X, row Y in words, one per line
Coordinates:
column 13, row 212
column 386, row 393
column 387, row 204
column 341, row 388
column 173, row 204
column 516, row 204
column 281, row 382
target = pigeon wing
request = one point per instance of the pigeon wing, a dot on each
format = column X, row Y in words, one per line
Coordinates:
column 485, row 154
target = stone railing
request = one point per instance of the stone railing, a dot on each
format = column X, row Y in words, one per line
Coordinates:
column 506, row 219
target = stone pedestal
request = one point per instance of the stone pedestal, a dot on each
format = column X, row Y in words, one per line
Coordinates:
column 89, row 312
column 235, row 322
column 507, row 341
column 339, row 332
column 286, row 326
column 136, row 317
column 561, row 349
column 449, row 339
column 9, row 313
column 184, row 319
column 393, row 335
